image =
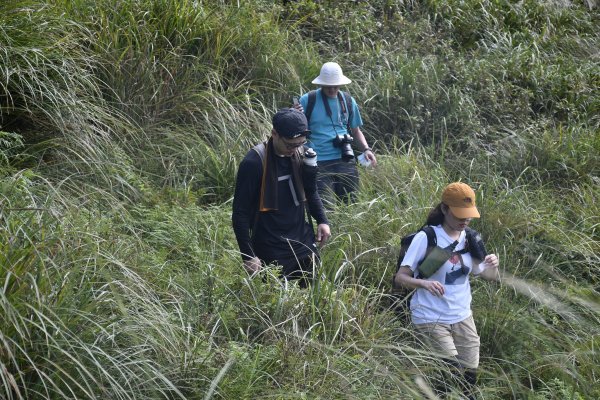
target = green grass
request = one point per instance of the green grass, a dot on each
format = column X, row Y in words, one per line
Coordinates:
column 121, row 128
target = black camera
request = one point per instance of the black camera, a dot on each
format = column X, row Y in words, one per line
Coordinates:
column 344, row 142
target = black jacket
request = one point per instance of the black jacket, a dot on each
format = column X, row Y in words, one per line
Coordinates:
column 276, row 234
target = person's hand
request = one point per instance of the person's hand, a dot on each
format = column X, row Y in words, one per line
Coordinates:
column 298, row 107
column 491, row 261
column 323, row 234
column 252, row 265
column 489, row 268
column 433, row 287
column 369, row 155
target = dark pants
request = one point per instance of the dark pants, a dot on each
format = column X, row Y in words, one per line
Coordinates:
column 337, row 179
column 297, row 268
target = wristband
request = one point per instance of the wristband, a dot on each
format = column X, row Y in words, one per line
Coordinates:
column 367, row 149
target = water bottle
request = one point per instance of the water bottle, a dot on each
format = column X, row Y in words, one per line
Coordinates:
column 309, row 170
column 310, row 157
column 435, row 259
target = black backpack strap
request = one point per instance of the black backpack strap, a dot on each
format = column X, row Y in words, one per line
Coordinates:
column 348, row 100
column 405, row 243
column 467, row 248
column 260, row 149
column 431, row 242
column 431, row 238
column 312, row 99
column 475, row 244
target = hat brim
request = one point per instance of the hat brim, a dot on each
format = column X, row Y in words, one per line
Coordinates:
column 297, row 134
column 342, row 81
column 464, row 212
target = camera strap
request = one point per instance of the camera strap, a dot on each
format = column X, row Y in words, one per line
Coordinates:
column 345, row 107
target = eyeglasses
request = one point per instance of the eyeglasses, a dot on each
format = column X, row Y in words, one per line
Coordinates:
column 293, row 145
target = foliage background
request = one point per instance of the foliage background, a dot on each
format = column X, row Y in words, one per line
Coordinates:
column 121, row 127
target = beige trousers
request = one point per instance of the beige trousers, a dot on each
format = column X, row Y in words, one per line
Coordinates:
column 458, row 341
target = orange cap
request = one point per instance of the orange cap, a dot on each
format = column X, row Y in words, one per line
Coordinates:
column 461, row 200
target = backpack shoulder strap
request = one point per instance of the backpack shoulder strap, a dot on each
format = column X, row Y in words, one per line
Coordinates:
column 261, row 149
column 312, row 99
column 470, row 232
column 348, row 99
column 431, row 237
column 474, row 244
column 345, row 101
column 470, row 238
column 405, row 242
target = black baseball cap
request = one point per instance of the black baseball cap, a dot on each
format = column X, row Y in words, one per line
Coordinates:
column 290, row 123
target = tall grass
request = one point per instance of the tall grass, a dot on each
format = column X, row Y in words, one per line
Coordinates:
column 64, row 330
column 121, row 129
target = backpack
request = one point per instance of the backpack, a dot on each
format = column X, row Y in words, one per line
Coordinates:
column 343, row 97
column 404, row 245
column 474, row 245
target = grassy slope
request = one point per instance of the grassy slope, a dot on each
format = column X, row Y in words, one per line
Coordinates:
column 121, row 129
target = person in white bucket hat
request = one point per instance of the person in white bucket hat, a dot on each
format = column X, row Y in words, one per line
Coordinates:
column 334, row 121
column 331, row 75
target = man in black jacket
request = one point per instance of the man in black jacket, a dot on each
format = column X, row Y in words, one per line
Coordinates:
column 273, row 189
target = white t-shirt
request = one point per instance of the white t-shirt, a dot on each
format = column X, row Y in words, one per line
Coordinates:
column 455, row 305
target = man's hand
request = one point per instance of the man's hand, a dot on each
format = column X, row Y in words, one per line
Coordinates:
column 369, row 155
column 323, row 234
column 252, row 265
column 298, row 107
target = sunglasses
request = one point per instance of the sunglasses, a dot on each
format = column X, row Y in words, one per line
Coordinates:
column 290, row 144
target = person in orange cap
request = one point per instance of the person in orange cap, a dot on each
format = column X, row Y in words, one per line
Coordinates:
column 441, row 305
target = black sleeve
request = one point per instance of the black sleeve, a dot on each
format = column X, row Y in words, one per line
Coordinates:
column 245, row 201
column 315, row 207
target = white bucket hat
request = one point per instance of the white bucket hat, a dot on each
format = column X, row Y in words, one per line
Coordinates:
column 331, row 75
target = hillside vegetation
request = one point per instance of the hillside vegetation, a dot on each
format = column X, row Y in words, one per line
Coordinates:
column 121, row 127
